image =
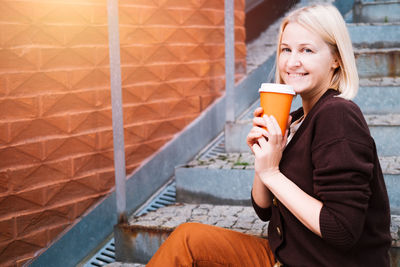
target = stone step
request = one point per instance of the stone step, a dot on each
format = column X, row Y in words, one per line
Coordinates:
column 376, row 11
column 384, row 128
column 206, row 180
column 376, row 35
column 377, row 99
column 373, row 63
column 143, row 235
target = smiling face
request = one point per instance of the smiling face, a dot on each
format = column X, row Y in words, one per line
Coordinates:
column 305, row 61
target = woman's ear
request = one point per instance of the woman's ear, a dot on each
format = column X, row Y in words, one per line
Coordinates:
column 335, row 63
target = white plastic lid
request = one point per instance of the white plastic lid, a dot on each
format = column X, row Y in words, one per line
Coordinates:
column 277, row 88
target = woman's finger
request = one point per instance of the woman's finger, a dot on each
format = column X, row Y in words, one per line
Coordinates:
column 255, row 148
column 272, row 135
column 262, row 142
column 289, row 121
column 258, row 112
column 277, row 128
column 259, row 121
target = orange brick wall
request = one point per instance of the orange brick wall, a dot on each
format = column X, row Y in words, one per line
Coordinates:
column 56, row 157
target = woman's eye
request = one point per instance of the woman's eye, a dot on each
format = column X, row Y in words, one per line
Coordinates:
column 308, row 50
column 285, row 49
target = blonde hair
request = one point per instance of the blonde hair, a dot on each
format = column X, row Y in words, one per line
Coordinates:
column 327, row 22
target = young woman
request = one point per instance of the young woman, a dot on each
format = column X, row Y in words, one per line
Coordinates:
column 321, row 185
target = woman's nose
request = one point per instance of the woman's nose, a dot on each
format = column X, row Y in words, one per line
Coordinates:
column 293, row 60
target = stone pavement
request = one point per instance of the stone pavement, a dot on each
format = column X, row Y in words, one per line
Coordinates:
column 245, row 161
column 239, row 218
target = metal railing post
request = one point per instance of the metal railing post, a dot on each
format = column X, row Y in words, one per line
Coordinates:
column 229, row 60
column 117, row 114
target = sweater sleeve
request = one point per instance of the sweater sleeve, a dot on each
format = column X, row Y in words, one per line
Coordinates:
column 343, row 170
column 263, row 213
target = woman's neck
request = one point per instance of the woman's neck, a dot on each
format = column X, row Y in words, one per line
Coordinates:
column 309, row 100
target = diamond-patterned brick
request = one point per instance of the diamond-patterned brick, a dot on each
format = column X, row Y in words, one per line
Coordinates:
column 11, row 62
column 163, row 91
column 41, row 220
column 89, row 121
column 12, row 205
column 105, row 140
column 66, row 147
column 22, row 155
column 213, row 4
column 94, row 79
column 134, row 134
column 184, row 106
column 18, row 108
column 92, row 180
column 34, row 84
column 137, row 35
column 55, row 231
column 240, row 34
column 4, row 133
column 92, row 35
column 136, row 93
column 160, row 17
column 182, row 36
column 183, row 87
column 86, row 79
column 34, row 35
column 63, row 13
column 206, row 100
column 151, row 74
column 91, row 164
column 128, row 15
column 239, row 4
column 36, row 196
column 201, row 69
column 136, row 53
column 216, row 17
column 16, row 250
column 181, row 122
column 37, row 237
column 106, row 180
column 11, row 13
column 141, row 13
column 144, row 112
column 68, row 103
column 199, row 19
column 70, row 192
column 67, row 58
column 4, row 181
column 39, row 175
column 215, row 50
column 136, row 153
column 162, row 55
column 35, row 129
column 159, row 130
column 7, row 229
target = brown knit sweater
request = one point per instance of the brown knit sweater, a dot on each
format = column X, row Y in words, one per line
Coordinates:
column 333, row 158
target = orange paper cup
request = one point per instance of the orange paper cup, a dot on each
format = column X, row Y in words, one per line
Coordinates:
column 276, row 99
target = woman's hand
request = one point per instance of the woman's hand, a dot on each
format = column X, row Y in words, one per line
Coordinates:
column 268, row 148
column 258, row 130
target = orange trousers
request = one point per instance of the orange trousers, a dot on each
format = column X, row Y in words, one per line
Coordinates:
column 195, row 244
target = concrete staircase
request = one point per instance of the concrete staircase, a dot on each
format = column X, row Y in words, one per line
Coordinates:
column 214, row 187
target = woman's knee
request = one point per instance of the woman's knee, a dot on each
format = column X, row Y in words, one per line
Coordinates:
column 192, row 232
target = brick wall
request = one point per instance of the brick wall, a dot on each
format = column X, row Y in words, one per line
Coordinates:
column 56, row 157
